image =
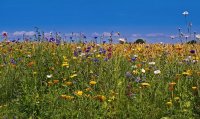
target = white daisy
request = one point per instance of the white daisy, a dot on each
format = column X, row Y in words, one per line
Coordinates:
column 157, row 72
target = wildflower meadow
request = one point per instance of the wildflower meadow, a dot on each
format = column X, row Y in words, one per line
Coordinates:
column 89, row 80
column 123, row 74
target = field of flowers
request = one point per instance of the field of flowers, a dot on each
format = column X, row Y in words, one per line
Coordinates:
column 77, row 80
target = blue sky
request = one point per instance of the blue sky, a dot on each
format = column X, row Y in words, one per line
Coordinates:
column 151, row 19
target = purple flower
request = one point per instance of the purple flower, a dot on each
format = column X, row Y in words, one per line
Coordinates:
column 51, row 40
column 192, row 51
column 133, row 59
column 128, row 75
column 96, row 60
column 75, row 53
column 12, row 61
column 106, row 59
column 87, row 50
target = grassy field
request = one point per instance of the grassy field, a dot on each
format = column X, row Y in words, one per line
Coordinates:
column 92, row 81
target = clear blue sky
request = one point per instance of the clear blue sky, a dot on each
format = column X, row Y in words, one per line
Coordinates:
column 126, row 16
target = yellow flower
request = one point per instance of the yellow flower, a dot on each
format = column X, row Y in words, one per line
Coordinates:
column 50, row 83
column 79, row 93
column 98, row 56
column 74, row 58
column 67, row 97
column 65, row 64
column 65, row 58
column 135, row 72
column 91, row 72
column 93, row 82
column 196, row 58
column 74, row 75
column 177, row 98
column 194, row 88
column 88, row 89
column 172, row 84
column 68, row 83
column 34, row 72
column 145, row 84
column 169, row 103
column 186, row 74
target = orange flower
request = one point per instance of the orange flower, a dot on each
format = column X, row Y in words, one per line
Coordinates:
column 55, row 81
column 101, row 98
column 30, row 64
